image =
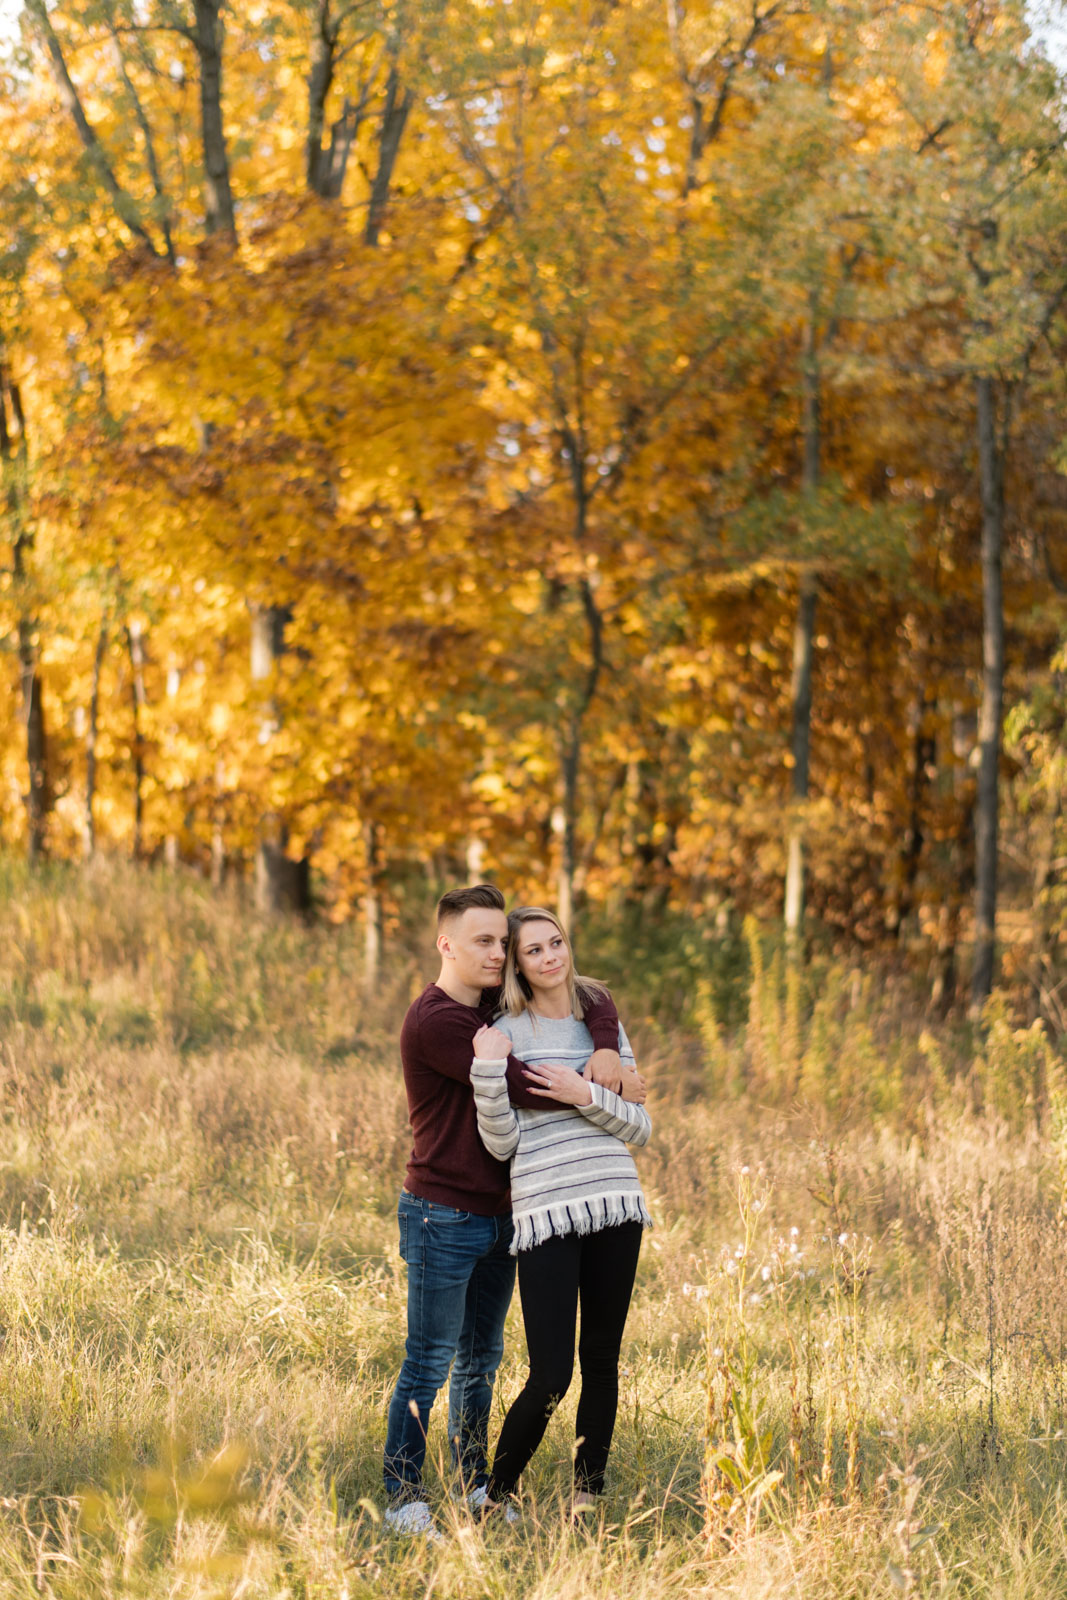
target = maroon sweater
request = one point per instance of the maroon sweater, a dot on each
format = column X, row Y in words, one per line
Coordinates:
column 449, row 1163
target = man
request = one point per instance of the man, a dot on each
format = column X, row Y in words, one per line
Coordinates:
column 454, row 1212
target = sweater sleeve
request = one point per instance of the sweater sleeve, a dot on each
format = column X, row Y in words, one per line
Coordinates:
column 602, row 1020
column 444, row 1044
column 498, row 1126
column 628, row 1122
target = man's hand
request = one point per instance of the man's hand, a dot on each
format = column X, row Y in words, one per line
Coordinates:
column 634, row 1088
column 491, row 1045
column 605, row 1067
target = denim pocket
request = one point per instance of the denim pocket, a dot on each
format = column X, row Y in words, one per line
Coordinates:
column 444, row 1216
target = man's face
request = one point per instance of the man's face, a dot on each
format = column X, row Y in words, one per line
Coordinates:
column 475, row 945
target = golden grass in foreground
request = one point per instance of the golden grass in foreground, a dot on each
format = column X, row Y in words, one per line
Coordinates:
column 202, row 1305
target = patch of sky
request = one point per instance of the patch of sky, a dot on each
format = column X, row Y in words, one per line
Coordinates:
column 655, row 143
column 1048, row 30
column 486, row 112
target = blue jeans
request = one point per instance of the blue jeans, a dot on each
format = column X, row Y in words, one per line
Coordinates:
column 460, row 1279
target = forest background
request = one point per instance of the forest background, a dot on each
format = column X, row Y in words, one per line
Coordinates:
column 616, row 447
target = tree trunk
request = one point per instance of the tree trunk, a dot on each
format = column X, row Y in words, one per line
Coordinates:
column 990, row 715
column 563, row 829
column 38, row 799
column 281, row 884
column 943, row 992
column 325, row 168
column 394, row 117
column 371, row 906
column 960, row 885
column 565, row 816
column 171, row 843
column 138, row 700
column 218, row 828
column 475, row 858
column 218, row 199
column 922, row 754
column 803, row 649
column 320, row 78
column 268, row 646
column 1042, row 1004
column 89, row 841
column 13, row 463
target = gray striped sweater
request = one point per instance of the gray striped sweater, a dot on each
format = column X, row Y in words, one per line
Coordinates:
column 570, row 1169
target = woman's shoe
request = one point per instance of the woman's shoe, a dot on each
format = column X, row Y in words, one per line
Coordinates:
column 486, row 1510
column 584, row 1507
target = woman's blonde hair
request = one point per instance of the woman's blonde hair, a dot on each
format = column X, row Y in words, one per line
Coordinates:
column 517, row 992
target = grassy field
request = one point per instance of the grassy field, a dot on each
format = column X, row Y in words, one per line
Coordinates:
column 845, row 1369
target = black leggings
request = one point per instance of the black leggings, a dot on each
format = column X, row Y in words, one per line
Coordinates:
column 597, row 1270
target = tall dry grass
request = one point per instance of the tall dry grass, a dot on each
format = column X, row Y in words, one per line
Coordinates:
column 202, row 1309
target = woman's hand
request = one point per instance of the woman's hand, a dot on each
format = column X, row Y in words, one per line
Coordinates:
column 491, row 1045
column 559, row 1083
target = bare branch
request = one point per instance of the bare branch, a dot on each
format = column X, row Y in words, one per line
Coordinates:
column 149, row 142
column 126, row 208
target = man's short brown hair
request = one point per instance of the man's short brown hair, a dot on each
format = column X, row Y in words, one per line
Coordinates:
column 485, row 896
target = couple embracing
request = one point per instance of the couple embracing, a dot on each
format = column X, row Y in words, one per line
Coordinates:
column 522, row 1096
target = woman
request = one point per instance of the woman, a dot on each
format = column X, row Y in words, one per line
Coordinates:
column 577, row 1205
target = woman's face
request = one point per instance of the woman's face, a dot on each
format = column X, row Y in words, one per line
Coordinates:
column 542, row 956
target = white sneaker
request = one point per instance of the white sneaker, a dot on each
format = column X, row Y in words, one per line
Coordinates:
column 479, row 1501
column 413, row 1516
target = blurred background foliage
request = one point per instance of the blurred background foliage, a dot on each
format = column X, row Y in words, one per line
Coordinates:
column 613, row 447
